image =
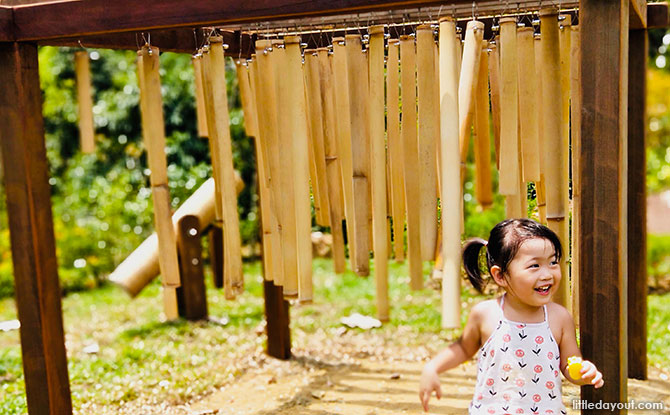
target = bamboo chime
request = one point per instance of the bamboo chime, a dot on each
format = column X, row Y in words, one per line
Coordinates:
column 85, row 100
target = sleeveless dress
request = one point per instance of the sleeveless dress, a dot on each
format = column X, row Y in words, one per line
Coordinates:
column 518, row 370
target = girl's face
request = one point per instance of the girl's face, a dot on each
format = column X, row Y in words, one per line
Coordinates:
column 534, row 274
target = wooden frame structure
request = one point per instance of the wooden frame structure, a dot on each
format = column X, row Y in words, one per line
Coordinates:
column 612, row 212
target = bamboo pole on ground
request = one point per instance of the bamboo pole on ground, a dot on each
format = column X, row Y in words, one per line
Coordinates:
column 219, row 133
column 297, row 112
column 343, row 130
column 467, row 85
column 247, row 98
column 411, row 159
column 564, row 36
column 82, row 71
column 575, row 123
column 287, row 202
column 267, row 117
column 360, row 151
column 428, row 138
column 553, row 133
column 395, row 149
column 483, row 175
column 378, row 169
column 196, row 61
column 452, row 191
column 315, row 109
column 509, row 118
column 494, row 79
column 540, row 184
column 153, row 131
column 528, row 105
column 327, row 94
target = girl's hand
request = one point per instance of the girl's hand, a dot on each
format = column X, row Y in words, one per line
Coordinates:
column 429, row 382
column 590, row 375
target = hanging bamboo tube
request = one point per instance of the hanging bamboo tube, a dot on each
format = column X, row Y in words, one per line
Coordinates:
column 378, row 168
column 575, row 123
column 395, row 149
column 287, row 201
column 218, row 123
column 246, row 96
column 196, row 60
column 298, row 114
column 428, row 137
column 360, row 151
column 540, row 184
column 153, row 130
column 474, row 33
column 85, row 101
column 494, row 80
column 438, row 147
column 327, row 93
column 483, row 175
column 553, row 133
column 528, row 105
column 411, row 159
column 564, row 36
column 452, row 191
column 266, row 106
column 343, row 130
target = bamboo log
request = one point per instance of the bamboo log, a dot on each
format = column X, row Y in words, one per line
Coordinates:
column 315, row 109
column 528, row 106
column 452, row 191
column 196, row 61
column 298, row 114
column 360, row 151
column 438, row 147
column 575, row 123
column 411, row 159
column 378, row 169
column 509, row 115
column 553, row 133
column 153, row 130
column 428, row 138
column 218, row 123
column 84, row 99
column 327, row 95
column 564, row 35
column 483, row 175
column 266, row 106
column 467, row 85
column 247, row 98
column 395, row 149
column 287, row 201
column 494, row 79
column 540, row 184
column 343, row 130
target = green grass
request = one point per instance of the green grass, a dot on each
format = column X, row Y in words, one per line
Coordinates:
column 142, row 357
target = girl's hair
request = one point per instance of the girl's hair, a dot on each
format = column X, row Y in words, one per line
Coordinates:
column 502, row 246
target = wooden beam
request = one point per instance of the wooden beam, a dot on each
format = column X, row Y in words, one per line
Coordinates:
column 603, row 164
column 637, row 205
column 638, row 13
column 6, row 23
column 657, row 15
column 31, row 232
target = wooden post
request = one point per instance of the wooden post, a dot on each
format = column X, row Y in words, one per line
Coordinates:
column 603, row 305
column 192, row 296
column 637, row 205
column 278, row 321
column 31, row 232
column 216, row 255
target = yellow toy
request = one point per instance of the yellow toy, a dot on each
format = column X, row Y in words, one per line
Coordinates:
column 575, row 367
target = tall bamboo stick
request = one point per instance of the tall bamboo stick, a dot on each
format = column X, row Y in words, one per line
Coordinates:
column 553, row 133
column 85, row 101
column 378, row 169
column 298, row 114
column 153, row 130
column 343, row 130
column 247, row 98
column 452, row 200
column 474, row 33
column 564, row 37
column 575, row 122
column 483, row 176
column 428, row 138
column 438, row 147
column 360, row 151
column 327, row 95
column 494, row 79
column 540, row 184
column 395, row 149
column 528, row 105
column 196, row 60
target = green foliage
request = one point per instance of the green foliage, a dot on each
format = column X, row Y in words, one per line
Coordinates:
column 658, row 262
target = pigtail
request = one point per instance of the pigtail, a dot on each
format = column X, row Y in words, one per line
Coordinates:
column 471, row 251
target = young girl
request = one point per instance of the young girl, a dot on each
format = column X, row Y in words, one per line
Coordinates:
column 524, row 339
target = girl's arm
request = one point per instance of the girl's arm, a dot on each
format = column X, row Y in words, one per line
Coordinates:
column 457, row 353
column 568, row 348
